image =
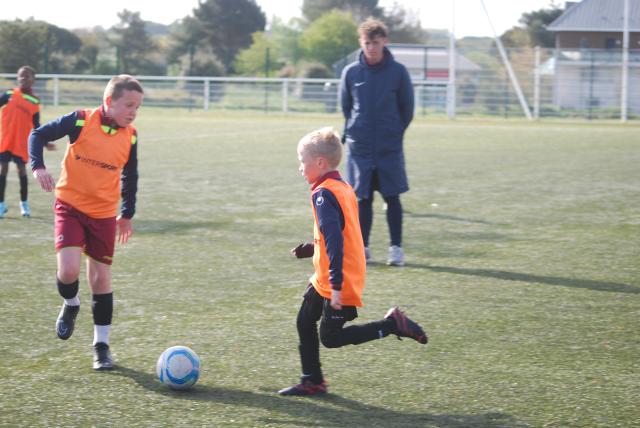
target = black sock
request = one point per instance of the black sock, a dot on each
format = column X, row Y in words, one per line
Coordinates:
column 394, row 219
column 3, row 185
column 314, row 378
column 365, row 214
column 102, row 306
column 24, row 187
column 67, row 291
column 389, row 327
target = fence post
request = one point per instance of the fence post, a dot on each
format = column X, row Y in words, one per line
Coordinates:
column 536, row 84
column 56, row 91
column 285, row 96
column 451, row 86
column 624, row 86
column 207, row 92
column 591, row 77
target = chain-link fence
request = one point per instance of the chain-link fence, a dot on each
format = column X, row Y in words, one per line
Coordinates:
column 554, row 84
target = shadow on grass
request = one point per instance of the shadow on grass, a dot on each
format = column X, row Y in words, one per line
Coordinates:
column 616, row 287
column 148, row 227
column 330, row 410
column 445, row 217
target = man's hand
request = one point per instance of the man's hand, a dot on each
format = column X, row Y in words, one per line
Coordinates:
column 51, row 147
column 303, row 251
column 45, row 179
column 336, row 299
column 124, row 229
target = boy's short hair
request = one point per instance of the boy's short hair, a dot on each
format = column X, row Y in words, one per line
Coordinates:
column 372, row 28
column 323, row 142
column 29, row 69
column 118, row 84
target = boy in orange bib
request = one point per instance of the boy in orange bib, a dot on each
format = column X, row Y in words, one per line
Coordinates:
column 336, row 287
column 21, row 113
column 100, row 167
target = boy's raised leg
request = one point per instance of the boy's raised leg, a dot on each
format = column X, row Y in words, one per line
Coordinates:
column 406, row 327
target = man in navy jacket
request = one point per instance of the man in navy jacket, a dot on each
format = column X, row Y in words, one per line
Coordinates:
column 377, row 103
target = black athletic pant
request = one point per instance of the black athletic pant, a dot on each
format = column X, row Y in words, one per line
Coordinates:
column 394, row 214
column 24, row 182
column 333, row 334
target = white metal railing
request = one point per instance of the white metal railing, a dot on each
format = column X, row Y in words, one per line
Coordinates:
column 554, row 83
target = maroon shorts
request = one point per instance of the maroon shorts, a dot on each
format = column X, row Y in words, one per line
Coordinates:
column 96, row 236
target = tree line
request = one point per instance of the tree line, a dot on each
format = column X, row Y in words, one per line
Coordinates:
column 227, row 37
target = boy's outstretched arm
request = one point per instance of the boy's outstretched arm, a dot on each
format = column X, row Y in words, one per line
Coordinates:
column 331, row 224
column 129, row 190
column 336, row 299
column 44, row 179
column 303, row 251
column 40, row 138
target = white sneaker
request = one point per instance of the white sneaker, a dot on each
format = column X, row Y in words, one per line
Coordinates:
column 367, row 254
column 24, row 209
column 3, row 209
column 396, row 256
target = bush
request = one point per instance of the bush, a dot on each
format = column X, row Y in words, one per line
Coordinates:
column 315, row 70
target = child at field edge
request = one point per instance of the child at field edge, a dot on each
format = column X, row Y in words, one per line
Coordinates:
column 99, row 167
column 335, row 289
column 19, row 116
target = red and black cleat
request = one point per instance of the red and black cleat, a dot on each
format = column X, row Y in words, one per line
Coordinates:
column 305, row 388
column 405, row 327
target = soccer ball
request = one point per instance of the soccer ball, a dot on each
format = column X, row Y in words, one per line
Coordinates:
column 178, row 367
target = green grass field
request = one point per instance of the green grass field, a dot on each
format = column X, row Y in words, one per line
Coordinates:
column 523, row 251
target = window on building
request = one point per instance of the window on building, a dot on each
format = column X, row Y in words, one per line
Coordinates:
column 612, row 43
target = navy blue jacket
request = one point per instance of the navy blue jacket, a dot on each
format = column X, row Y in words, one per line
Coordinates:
column 377, row 103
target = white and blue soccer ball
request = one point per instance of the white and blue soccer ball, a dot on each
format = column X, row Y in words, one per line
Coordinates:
column 178, row 367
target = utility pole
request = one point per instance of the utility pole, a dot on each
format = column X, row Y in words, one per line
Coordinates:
column 451, row 87
column 266, row 83
column 507, row 64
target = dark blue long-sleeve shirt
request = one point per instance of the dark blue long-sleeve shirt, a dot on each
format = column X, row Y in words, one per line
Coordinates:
column 66, row 126
column 331, row 225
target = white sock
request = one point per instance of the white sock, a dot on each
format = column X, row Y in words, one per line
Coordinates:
column 72, row 302
column 101, row 333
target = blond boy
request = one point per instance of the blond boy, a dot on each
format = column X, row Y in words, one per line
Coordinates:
column 335, row 288
column 99, row 170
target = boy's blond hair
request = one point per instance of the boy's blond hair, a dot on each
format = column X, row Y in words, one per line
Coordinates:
column 323, row 142
column 372, row 28
column 118, row 84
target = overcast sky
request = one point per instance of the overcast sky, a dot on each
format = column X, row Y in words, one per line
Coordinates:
column 470, row 19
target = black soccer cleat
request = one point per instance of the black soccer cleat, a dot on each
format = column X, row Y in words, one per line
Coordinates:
column 102, row 357
column 66, row 321
column 405, row 327
column 305, row 388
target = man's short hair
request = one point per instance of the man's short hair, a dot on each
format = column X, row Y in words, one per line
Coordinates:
column 323, row 142
column 29, row 69
column 118, row 84
column 372, row 28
